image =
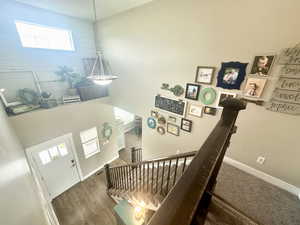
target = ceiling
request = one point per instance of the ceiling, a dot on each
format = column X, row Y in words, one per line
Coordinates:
column 84, row 8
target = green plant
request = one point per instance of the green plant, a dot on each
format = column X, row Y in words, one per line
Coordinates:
column 67, row 74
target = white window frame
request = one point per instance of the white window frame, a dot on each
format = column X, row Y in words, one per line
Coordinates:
column 70, row 36
column 94, row 139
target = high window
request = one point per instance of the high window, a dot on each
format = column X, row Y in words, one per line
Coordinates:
column 39, row 36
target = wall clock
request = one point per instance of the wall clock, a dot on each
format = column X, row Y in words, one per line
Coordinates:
column 151, row 122
column 208, row 96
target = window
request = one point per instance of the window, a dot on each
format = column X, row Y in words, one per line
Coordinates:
column 53, row 153
column 39, row 36
column 90, row 143
column 124, row 116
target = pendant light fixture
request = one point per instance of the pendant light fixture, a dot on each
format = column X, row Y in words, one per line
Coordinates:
column 99, row 74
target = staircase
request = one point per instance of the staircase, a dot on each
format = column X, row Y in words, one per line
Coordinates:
column 147, row 182
column 179, row 189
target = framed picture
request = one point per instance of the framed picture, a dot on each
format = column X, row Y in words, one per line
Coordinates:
column 151, row 123
column 154, row 114
column 223, row 96
column 210, row 110
column 231, row 75
column 172, row 119
column 186, row 125
column 208, row 96
column 204, row 74
column 192, row 91
column 254, row 87
column 173, row 129
column 195, row 110
column 262, row 65
column 161, row 120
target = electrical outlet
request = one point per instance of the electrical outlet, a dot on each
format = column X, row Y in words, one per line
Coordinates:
column 261, row 160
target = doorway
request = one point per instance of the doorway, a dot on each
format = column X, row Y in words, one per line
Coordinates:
column 56, row 165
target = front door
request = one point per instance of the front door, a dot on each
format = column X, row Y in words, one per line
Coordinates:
column 56, row 165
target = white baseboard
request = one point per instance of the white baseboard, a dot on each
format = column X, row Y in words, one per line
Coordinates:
column 99, row 168
column 266, row 177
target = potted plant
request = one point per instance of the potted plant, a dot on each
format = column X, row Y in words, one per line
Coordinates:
column 67, row 74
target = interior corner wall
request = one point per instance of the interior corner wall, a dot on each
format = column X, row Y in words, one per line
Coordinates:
column 165, row 40
column 42, row 61
column 19, row 204
column 39, row 126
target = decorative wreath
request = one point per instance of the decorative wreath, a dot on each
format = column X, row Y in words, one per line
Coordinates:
column 208, row 96
column 106, row 131
column 151, row 122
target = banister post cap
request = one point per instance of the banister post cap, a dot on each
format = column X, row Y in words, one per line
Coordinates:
column 234, row 104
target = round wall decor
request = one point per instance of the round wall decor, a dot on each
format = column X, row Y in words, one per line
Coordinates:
column 151, row 122
column 208, row 96
column 161, row 120
column 106, row 130
column 161, row 130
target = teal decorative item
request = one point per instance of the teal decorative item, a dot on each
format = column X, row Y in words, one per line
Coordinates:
column 177, row 90
column 106, row 131
column 151, row 122
column 208, row 96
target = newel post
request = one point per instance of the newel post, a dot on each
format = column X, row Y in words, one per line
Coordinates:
column 232, row 106
column 133, row 155
column 108, row 177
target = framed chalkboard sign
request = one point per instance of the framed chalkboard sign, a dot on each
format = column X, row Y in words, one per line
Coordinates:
column 171, row 105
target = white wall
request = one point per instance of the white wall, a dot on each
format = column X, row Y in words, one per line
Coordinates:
column 44, row 62
column 164, row 41
column 39, row 126
column 19, row 204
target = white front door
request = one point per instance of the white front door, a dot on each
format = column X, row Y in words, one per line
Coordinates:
column 55, row 162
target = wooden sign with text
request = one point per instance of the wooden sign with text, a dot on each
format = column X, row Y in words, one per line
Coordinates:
column 286, row 96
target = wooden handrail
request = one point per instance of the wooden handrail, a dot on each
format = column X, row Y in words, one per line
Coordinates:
column 188, row 200
column 182, row 155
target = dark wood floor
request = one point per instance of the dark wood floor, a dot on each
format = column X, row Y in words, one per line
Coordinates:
column 86, row 203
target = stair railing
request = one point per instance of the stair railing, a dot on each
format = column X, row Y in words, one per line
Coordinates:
column 136, row 155
column 152, row 176
column 187, row 203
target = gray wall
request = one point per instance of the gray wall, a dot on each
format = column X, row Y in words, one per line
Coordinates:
column 44, row 62
column 19, row 204
column 39, row 126
column 165, row 40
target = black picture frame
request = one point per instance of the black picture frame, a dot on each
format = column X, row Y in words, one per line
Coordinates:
column 195, row 95
column 231, row 75
column 211, row 75
column 186, row 125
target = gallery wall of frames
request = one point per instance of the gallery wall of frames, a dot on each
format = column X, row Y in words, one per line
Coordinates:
column 201, row 97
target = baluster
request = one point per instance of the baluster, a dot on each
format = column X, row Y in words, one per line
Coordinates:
column 124, row 177
column 140, row 166
column 152, row 177
column 112, row 177
column 175, row 174
column 157, row 173
column 128, row 177
column 184, row 163
column 144, row 165
column 162, row 177
column 120, row 180
column 136, row 178
column 168, row 178
column 148, row 177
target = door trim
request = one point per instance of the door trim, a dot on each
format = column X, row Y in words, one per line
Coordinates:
column 40, row 185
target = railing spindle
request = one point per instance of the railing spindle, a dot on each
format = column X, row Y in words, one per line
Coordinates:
column 168, row 177
column 152, row 181
column 148, row 177
column 157, row 173
column 184, row 163
column 175, row 174
column 162, row 177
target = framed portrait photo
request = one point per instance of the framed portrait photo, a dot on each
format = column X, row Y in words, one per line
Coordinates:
column 204, row 74
column 225, row 95
column 195, row 110
column 173, row 129
column 154, row 114
column 254, row 87
column 192, row 91
column 186, row 125
column 231, row 75
column 262, row 65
